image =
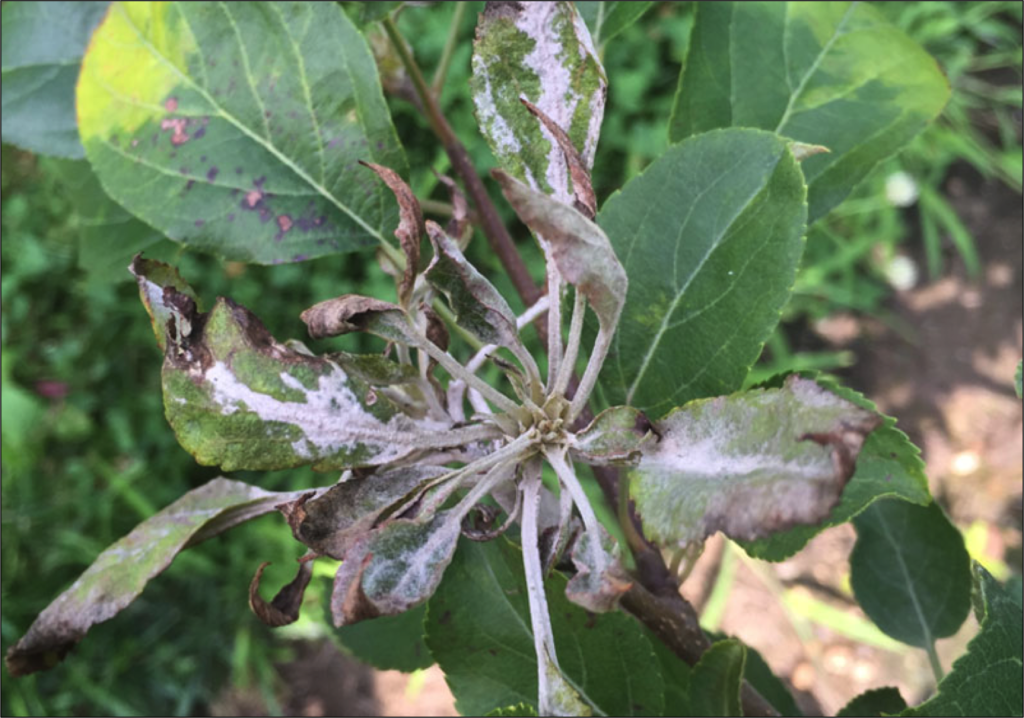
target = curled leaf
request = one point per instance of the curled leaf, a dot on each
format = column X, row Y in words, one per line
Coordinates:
column 582, row 189
column 616, row 437
column 541, row 51
column 581, row 251
column 458, row 227
column 356, row 313
column 163, row 292
column 284, row 608
column 410, row 226
column 802, row 151
column 331, row 523
column 119, row 574
column 748, row 464
column 600, row 578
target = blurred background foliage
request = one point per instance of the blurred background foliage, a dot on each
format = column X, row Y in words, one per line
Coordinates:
column 86, row 451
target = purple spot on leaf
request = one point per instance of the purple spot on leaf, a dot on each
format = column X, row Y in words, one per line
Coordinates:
column 199, row 133
column 231, row 217
column 211, row 175
column 200, row 222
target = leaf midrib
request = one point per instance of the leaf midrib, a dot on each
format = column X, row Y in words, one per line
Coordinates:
column 268, row 146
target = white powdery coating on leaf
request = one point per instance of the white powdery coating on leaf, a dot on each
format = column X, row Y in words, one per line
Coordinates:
column 499, row 130
column 331, row 418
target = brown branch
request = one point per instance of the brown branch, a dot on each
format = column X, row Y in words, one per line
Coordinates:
column 490, row 222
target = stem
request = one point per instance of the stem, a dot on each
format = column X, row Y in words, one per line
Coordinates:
column 594, row 364
column 441, row 73
column 572, row 346
column 493, row 228
column 933, row 659
column 568, row 478
column 497, row 474
column 457, row 371
column 554, row 317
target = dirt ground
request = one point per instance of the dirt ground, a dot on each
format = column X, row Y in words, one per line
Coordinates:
column 943, row 364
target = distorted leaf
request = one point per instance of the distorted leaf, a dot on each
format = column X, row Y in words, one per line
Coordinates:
column 478, row 628
column 284, row 608
column 458, row 227
column 874, row 703
column 410, row 226
column 580, row 249
column 333, row 521
column 437, row 330
column 985, row 681
column 43, row 44
column 748, row 464
column 889, row 465
column 600, row 578
column 156, row 281
column 375, row 369
column 478, row 306
column 121, row 572
column 710, row 236
column 543, row 52
column 893, row 571
column 579, row 172
column 802, row 151
column 356, row 313
column 615, row 437
column 235, row 128
column 607, row 18
column 832, row 74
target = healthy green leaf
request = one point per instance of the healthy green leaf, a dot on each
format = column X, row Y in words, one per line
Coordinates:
column 616, row 437
column 710, row 235
column 877, row 702
column 889, row 465
column 543, row 52
column 717, row 678
column 108, row 235
column 832, row 74
column 237, row 398
column 390, row 643
column 910, row 571
column 606, row 19
column 676, row 675
column 985, row 681
column 235, row 127
column 121, row 572
column 43, row 43
column 478, row 629
column 364, row 13
column 758, row 674
column 748, row 464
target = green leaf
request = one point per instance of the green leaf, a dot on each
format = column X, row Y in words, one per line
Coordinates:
column 608, row 19
column 238, row 399
column 748, row 464
column 877, row 702
column 235, row 127
column 121, row 572
column 985, row 681
column 910, row 571
column 759, row 675
column 616, row 437
column 677, row 675
column 717, row 678
column 390, row 643
column 889, row 465
column 108, row 235
column 710, row 236
column 543, row 52
column 43, row 43
column 365, row 13
column 832, row 74
column 1017, row 380
column 520, row 709
column 478, row 628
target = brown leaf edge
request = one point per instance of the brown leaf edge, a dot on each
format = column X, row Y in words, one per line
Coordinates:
column 410, row 226
column 284, row 607
column 582, row 188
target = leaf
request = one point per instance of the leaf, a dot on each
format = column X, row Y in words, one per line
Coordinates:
column 676, row 674
column 910, row 571
column 608, row 19
column 164, row 307
column 478, row 628
column 334, row 521
column 877, row 702
column 237, row 398
column 760, row 676
column 364, row 13
column 355, row 313
column 284, row 608
column 600, row 580
column 394, row 568
column 718, row 677
column 410, row 226
column 986, row 679
column 748, row 464
column 520, row 709
column 235, row 128
column 579, row 172
column 889, row 465
column 581, row 251
column 543, row 52
column 389, row 643
column 832, row 74
column 120, row 573
column 478, row 306
column 1017, row 380
column 616, row 437
column 711, row 236
column 43, row 43
column 108, row 235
